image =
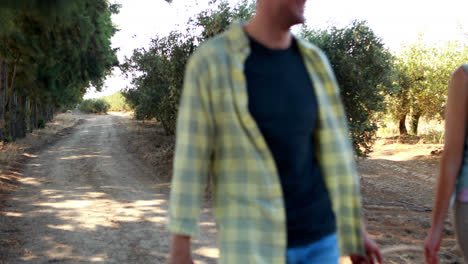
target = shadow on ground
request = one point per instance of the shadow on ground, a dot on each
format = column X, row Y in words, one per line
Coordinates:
column 86, row 200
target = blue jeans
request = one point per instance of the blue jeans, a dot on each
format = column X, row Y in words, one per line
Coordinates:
column 324, row 251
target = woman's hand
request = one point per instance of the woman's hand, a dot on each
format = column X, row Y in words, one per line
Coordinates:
column 432, row 245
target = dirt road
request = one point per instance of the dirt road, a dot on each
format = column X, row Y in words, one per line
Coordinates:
column 397, row 184
column 87, row 200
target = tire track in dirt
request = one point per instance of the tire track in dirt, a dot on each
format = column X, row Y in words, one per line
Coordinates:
column 397, row 200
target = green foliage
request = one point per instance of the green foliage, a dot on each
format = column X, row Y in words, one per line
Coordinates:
column 423, row 75
column 94, row 106
column 28, row 121
column 364, row 71
column 434, row 137
column 40, row 122
column 156, row 92
column 116, row 102
column 39, row 44
column 53, row 51
column 215, row 21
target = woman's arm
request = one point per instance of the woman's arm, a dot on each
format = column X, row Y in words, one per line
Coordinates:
column 455, row 130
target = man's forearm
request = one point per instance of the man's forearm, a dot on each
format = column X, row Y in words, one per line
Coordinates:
column 180, row 250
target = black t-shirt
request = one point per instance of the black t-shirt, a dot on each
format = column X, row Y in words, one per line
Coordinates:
column 283, row 103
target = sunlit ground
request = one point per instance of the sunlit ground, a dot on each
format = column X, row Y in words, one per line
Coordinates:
column 86, row 200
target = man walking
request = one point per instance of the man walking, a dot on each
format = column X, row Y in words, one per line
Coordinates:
column 260, row 112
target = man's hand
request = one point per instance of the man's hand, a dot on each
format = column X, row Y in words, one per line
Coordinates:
column 432, row 245
column 373, row 254
column 180, row 250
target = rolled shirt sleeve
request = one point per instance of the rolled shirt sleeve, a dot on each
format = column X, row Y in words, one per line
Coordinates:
column 194, row 144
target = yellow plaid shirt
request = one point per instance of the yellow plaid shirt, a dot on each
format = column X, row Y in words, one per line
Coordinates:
column 216, row 135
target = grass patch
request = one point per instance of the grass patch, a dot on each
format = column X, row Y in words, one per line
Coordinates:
column 434, row 137
column 429, row 132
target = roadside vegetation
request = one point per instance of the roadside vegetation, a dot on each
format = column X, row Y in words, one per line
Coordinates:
column 94, row 106
column 51, row 53
column 148, row 140
column 116, row 103
column 380, row 89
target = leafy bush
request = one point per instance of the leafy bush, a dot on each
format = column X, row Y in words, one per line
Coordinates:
column 40, row 122
column 116, row 102
column 156, row 92
column 364, row 71
column 434, row 137
column 94, row 106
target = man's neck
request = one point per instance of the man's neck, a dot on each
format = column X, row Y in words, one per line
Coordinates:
column 264, row 30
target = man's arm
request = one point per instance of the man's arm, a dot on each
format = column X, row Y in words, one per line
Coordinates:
column 373, row 254
column 180, row 250
column 192, row 158
column 366, row 250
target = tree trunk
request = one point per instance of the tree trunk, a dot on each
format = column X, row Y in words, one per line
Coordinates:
column 13, row 102
column 34, row 115
column 43, row 114
column 22, row 125
column 3, row 88
column 415, row 122
column 31, row 117
column 27, row 110
column 13, row 115
column 49, row 113
column 402, row 126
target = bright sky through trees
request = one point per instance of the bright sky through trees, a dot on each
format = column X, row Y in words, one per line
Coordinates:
column 397, row 22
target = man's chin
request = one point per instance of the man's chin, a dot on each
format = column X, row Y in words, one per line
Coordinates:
column 297, row 20
column 293, row 19
column 301, row 20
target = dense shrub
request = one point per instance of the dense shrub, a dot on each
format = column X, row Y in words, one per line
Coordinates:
column 94, row 106
column 40, row 123
column 116, row 102
column 364, row 71
column 156, row 92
